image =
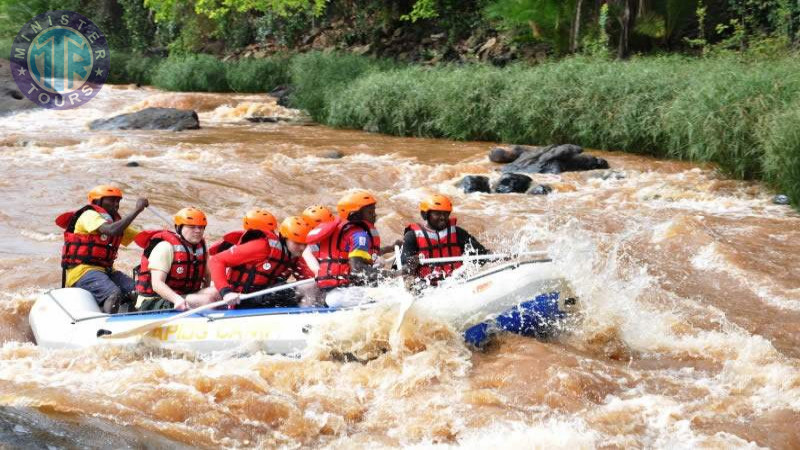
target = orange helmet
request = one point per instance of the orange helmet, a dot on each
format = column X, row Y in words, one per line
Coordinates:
column 104, row 190
column 295, row 228
column 191, row 216
column 317, row 214
column 353, row 202
column 259, row 219
column 436, row 202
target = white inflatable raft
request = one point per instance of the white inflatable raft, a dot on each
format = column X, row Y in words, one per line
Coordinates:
column 524, row 297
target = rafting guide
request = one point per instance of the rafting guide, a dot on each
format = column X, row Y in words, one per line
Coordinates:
column 60, row 59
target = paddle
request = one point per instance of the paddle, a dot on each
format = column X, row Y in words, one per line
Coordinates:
column 159, row 215
column 479, row 257
column 409, row 303
column 160, row 323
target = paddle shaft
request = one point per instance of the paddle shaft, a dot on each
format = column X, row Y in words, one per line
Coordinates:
column 479, row 257
column 160, row 323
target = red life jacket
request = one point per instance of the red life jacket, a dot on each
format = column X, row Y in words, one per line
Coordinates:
column 188, row 265
column 96, row 249
column 229, row 240
column 275, row 269
column 433, row 244
column 334, row 264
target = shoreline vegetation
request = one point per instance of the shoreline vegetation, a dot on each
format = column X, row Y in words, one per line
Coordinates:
column 739, row 113
column 701, row 80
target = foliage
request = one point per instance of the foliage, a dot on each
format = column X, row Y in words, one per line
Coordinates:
column 202, row 73
column 257, row 75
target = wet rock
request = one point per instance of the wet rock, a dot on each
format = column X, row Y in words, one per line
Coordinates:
column 512, row 182
column 780, row 199
column 262, row 119
column 132, row 164
column 150, row 119
column 610, row 175
column 282, row 93
column 11, row 99
column 554, row 159
column 506, row 155
column 331, row 154
column 540, row 189
column 474, row 183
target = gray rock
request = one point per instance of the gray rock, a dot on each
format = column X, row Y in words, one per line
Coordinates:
column 282, row 93
column 474, row 183
column 150, row 119
column 331, row 154
column 554, row 159
column 132, row 164
column 781, row 199
column 540, row 189
column 512, row 182
column 262, row 119
column 11, row 99
column 505, row 155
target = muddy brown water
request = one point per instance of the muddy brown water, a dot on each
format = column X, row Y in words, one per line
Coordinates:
column 689, row 335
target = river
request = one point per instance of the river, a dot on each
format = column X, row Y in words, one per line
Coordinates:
column 689, row 284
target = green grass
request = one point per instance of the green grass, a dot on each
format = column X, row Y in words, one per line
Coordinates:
column 740, row 114
column 132, row 68
column 257, row 75
column 195, row 73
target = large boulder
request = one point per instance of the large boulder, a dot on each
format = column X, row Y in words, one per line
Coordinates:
column 474, row 183
column 554, row 159
column 504, row 155
column 150, row 119
column 512, row 182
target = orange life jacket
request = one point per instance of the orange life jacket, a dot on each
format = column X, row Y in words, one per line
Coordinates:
column 275, row 269
column 334, row 264
column 436, row 244
column 96, row 249
column 188, row 265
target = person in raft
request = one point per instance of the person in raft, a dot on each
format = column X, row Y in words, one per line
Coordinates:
column 348, row 247
column 92, row 236
column 173, row 270
column 260, row 260
column 436, row 237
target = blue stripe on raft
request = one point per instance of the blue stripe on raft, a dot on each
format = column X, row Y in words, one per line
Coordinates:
column 219, row 313
column 530, row 318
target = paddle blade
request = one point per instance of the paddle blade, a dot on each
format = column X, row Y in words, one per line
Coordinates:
column 322, row 231
column 143, row 238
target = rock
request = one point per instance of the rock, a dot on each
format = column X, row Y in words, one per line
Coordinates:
column 540, row 189
column 132, row 164
column 361, row 49
column 262, row 119
column 583, row 162
column 512, row 182
column 554, row 159
column 282, row 93
column 150, row 119
column 11, row 99
column 474, row 183
column 610, row 175
column 505, row 155
column 331, row 154
column 780, row 199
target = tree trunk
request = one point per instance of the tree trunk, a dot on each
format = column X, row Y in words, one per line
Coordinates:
column 576, row 28
column 626, row 25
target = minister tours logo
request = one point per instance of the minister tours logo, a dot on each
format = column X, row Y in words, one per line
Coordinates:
column 60, row 60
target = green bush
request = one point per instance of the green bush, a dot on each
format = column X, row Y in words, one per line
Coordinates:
column 257, row 75
column 740, row 114
column 132, row 68
column 195, row 73
column 780, row 136
column 319, row 77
